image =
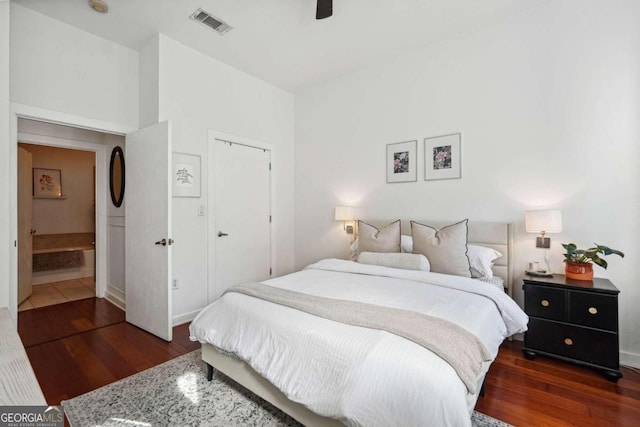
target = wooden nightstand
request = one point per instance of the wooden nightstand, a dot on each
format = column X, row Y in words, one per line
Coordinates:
column 573, row 320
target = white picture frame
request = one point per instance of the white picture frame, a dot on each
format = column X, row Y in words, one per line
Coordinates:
column 442, row 157
column 402, row 162
column 185, row 174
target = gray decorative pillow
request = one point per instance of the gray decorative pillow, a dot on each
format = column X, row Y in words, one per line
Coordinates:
column 372, row 239
column 446, row 249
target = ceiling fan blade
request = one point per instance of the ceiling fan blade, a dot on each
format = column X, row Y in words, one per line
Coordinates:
column 324, row 9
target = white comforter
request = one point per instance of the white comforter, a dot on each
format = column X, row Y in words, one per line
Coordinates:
column 358, row 375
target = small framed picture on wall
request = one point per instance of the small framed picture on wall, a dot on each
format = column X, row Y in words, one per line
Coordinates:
column 402, row 161
column 186, row 175
column 442, row 157
column 47, row 183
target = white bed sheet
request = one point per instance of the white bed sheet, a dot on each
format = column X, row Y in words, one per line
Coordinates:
column 358, row 375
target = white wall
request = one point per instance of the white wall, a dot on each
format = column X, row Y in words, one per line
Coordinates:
column 75, row 212
column 62, row 68
column 548, row 105
column 5, row 235
column 199, row 93
column 149, row 82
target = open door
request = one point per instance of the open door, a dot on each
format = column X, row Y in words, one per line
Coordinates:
column 25, row 225
column 148, row 229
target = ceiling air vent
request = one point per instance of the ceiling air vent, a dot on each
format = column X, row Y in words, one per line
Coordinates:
column 211, row 21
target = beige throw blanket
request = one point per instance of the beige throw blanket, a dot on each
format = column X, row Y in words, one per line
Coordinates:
column 455, row 345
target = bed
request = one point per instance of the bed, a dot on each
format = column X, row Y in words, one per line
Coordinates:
column 325, row 372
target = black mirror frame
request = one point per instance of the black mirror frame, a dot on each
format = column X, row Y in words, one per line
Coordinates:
column 116, row 202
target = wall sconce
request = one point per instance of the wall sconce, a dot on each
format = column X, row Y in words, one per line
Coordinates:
column 346, row 214
column 544, row 221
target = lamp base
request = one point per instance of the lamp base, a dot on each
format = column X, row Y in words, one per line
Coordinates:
column 543, row 242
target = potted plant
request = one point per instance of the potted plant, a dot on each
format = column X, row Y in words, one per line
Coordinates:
column 579, row 262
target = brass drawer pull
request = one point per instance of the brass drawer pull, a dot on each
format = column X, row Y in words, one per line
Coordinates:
column 593, row 310
column 544, row 303
column 568, row 341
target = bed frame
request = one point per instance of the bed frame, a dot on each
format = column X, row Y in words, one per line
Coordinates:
column 491, row 234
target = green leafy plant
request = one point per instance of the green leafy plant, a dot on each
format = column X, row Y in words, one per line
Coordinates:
column 584, row 256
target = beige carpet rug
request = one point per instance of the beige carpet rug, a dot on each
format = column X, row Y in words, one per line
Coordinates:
column 177, row 393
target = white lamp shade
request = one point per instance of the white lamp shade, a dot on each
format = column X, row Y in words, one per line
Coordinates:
column 544, row 220
column 345, row 213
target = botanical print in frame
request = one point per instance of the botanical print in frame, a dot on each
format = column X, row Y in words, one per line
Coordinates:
column 402, row 162
column 442, row 157
column 47, row 183
column 186, row 175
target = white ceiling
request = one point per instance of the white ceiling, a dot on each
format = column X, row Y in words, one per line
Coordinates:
column 280, row 41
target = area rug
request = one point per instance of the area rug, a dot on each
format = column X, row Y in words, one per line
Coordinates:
column 177, row 393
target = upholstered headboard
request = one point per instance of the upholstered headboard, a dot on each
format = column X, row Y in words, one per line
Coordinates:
column 496, row 235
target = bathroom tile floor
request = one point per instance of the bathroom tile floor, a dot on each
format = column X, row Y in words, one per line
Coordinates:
column 59, row 292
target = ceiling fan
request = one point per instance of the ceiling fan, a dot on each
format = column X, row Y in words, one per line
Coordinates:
column 324, row 9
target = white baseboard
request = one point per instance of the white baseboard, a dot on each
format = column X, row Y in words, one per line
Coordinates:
column 184, row 318
column 116, row 297
column 630, row 359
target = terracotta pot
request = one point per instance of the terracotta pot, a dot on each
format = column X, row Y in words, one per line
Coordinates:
column 578, row 271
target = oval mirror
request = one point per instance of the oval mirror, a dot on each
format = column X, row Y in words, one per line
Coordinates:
column 116, row 176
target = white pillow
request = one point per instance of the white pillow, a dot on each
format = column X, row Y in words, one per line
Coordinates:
column 406, row 246
column 481, row 260
column 395, row 260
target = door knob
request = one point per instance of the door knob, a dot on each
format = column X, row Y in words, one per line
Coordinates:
column 165, row 242
column 221, row 234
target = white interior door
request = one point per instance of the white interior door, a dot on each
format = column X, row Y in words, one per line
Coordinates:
column 242, row 214
column 25, row 224
column 148, row 229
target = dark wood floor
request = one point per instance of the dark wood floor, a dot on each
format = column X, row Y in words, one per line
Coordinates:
column 92, row 348
column 95, row 348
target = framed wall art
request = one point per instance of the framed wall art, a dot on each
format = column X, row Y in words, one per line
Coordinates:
column 402, row 161
column 186, row 175
column 47, row 183
column 442, row 157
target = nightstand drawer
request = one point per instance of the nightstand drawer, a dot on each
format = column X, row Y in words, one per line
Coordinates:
column 587, row 345
column 594, row 310
column 545, row 302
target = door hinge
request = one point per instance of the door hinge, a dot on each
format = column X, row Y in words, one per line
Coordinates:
column 270, row 271
column 269, row 219
column 269, row 166
column 15, row 243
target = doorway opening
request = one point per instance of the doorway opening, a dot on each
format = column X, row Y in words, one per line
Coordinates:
column 59, row 208
column 56, row 222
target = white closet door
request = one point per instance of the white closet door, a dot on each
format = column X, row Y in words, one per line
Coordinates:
column 242, row 214
column 148, row 229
